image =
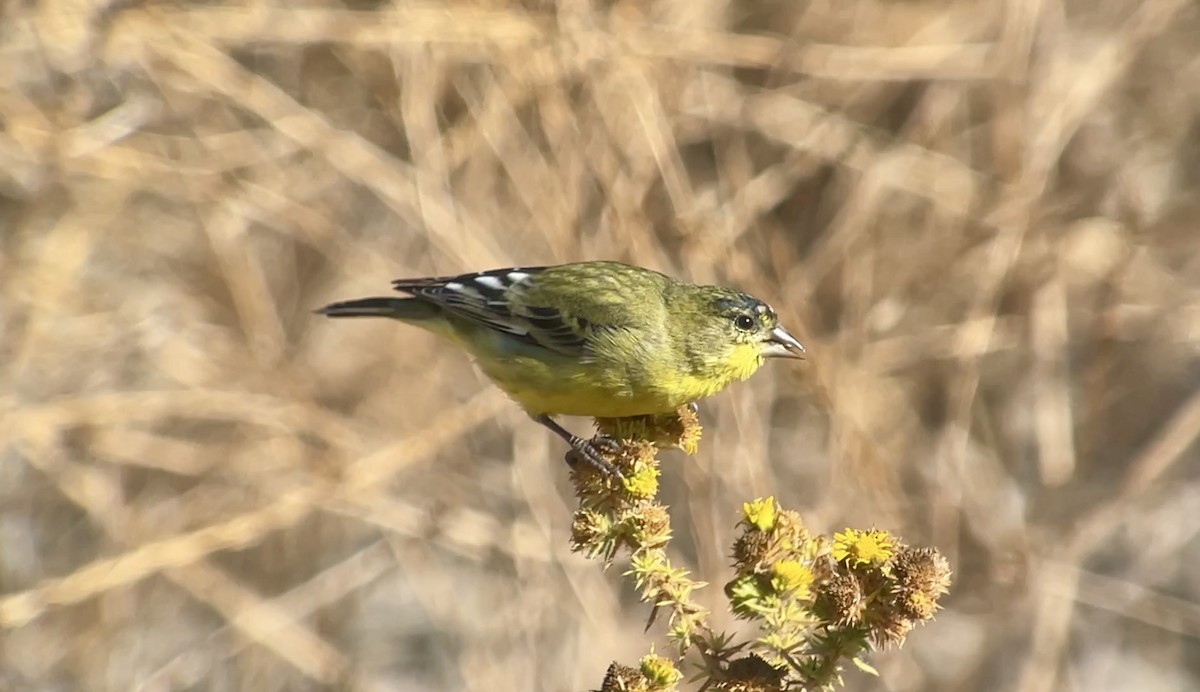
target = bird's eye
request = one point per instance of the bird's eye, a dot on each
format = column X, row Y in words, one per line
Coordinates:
column 744, row 322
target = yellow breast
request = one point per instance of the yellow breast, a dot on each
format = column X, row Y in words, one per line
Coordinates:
column 561, row 385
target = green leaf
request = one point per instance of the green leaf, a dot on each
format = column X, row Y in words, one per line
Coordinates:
column 865, row 667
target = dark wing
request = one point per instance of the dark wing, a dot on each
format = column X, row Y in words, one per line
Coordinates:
column 495, row 299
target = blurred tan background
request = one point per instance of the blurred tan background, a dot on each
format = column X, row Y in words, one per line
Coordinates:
column 981, row 217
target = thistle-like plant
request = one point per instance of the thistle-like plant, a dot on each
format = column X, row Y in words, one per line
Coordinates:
column 819, row 602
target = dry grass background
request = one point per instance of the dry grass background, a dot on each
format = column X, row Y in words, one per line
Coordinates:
column 980, row 216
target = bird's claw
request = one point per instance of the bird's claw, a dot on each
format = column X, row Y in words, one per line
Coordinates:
column 606, row 443
column 593, row 452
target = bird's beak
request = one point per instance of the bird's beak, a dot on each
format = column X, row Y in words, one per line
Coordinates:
column 781, row 344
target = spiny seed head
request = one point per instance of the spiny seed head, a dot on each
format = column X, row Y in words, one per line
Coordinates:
column 922, row 570
column 679, row 430
column 688, row 437
column 791, row 535
column 840, row 599
column 891, row 632
column 916, row 605
column 590, row 483
column 752, row 674
column 638, row 466
column 648, row 526
column 587, row 527
column 621, row 678
column 750, row 549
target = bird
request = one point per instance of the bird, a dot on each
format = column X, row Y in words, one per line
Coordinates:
column 601, row 339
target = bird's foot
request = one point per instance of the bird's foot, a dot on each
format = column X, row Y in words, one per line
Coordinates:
column 593, row 453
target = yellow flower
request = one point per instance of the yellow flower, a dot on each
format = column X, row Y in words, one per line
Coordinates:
column 855, row 547
column 760, row 513
column 659, row 671
column 789, row 576
column 643, row 484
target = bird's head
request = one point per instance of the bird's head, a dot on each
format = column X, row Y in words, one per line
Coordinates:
column 735, row 333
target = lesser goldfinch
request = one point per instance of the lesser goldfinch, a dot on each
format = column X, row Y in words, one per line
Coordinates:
column 598, row 339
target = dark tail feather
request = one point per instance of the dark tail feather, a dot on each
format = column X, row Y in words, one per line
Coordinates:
column 395, row 308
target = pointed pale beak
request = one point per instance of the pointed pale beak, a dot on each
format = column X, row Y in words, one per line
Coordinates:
column 782, row 345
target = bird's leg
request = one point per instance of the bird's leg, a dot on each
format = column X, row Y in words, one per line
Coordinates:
column 592, row 451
